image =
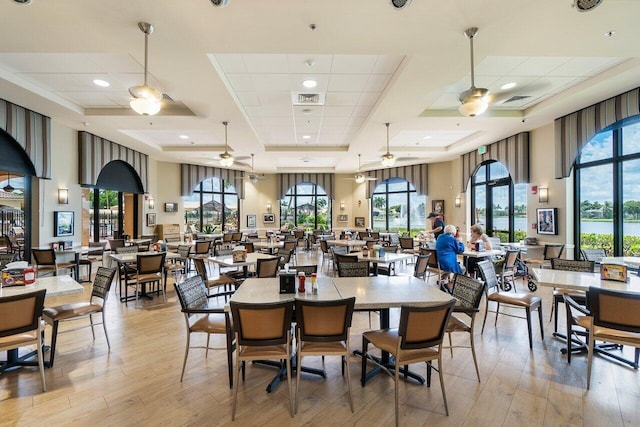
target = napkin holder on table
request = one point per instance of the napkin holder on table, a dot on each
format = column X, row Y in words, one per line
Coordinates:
column 288, row 282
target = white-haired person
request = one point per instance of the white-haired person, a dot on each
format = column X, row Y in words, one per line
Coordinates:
column 477, row 235
column 447, row 249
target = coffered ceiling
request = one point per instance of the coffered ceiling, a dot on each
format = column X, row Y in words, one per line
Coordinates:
column 246, row 63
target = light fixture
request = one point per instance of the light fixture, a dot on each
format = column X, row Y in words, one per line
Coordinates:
column 387, row 158
column 458, row 202
column 309, row 84
column 8, row 188
column 152, row 203
column 226, row 159
column 341, row 206
column 508, row 86
column 101, row 83
column 269, row 207
column 543, row 194
column 184, row 136
column 360, row 178
column 146, row 99
column 586, row 5
column 63, row 196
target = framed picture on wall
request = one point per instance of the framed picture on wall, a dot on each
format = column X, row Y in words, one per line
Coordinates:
column 360, row 221
column 437, row 206
column 171, row 207
column 546, row 220
column 268, row 218
column 343, row 218
column 251, row 221
column 151, row 219
column 63, row 222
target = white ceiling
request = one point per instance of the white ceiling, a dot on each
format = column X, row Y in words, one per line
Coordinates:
column 245, row 63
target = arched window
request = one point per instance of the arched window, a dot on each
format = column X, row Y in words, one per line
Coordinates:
column 396, row 206
column 306, row 205
column 498, row 204
column 607, row 171
column 213, row 206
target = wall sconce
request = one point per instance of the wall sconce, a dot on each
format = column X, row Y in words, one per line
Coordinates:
column 458, row 202
column 543, row 195
column 152, row 203
column 341, row 206
column 63, row 196
column 269, row 207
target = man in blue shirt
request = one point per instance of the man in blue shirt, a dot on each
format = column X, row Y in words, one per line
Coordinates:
column 437, row 225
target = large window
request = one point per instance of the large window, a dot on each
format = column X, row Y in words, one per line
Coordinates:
column 306, row 205
column 396, row 206
column 498, row 204
column 213, row 206
column 606, row 182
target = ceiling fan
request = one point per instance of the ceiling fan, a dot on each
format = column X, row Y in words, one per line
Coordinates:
column 389, row 159
column 146, row 100
column 8, row 188
column 226, row 159
column 252, row 176
column 359, row 177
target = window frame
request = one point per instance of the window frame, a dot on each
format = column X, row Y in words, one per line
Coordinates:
column 224, row 191
column 317, row 191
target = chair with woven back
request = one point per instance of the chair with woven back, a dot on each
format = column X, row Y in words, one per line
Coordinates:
column 322, row 329
column 327, row 255
column 263, row 331
column 578, row 296
column 285, row 257
column 46, row 262
column 335, row 251
column 421, row 266
column 81, row 310
column 227, row 283
column 21, row 325
column 418, row 338
column 353, row 268
column 267, row 267
column 149, row 270
column 179, row 265
column 290, row 245
column 593, row 254
column 203, row 317
column 6, row 259
column 526, row 302
column 126, row 268
column 508, row 273
column 468, row 293
column 115, row 243
column 94, row 254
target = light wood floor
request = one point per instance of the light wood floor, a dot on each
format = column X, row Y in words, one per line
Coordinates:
column 138, row 382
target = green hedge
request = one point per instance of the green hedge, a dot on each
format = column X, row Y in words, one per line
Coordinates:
column 630, row 244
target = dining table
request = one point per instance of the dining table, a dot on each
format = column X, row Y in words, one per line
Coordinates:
column 271, row 247
column 353, row 245
column 629, row 261
column 250, row 261
column 130, row 258
column 55, row 286
column 387, row 258
column 76, row 251
column 372, row 293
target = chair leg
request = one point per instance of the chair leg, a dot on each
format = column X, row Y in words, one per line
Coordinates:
column 540, row 318
column 450, row 344
column 93, row 332
column 104, row 326
column 528, row 311
column 396, row 380
column 206, row 352
column 236, row 383
column 230, row 349
column 54, row 339
column 473, row 352
column 349, row 379
column 486, row 311
column 441, row 375
column 497, row 313
column 289, row 385
column 41, row 361
column 186, row 354
column 298, row 370
column 365, row 344
column 590, row 359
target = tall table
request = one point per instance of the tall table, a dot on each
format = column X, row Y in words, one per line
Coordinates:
column 55, row 286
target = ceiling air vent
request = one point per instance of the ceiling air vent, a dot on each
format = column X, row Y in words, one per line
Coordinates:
column 586, row 5
column 517, row 98
column 305, row 98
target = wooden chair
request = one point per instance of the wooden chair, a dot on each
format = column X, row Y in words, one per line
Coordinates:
column 267, row 267
column 227, row 283
column 201, row 317
column 433, row 266
column 468, row 293
column 263, row 332
column 615, row 318
column 45, row 260
column 290, row 246
column 21, row 324
column 322, row 329
column 526, row 302
column 578, row 296
column 417, row 339
column 407, row 246
column 149, row 270
column 327, row 255
column 81, row 310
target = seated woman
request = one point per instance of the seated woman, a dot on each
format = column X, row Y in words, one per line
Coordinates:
column 477, row 235
column 447, row 249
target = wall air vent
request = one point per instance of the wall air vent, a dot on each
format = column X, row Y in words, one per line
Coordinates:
column 305, row 98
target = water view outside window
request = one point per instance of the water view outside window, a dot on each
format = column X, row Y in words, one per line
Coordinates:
column 396, row 206
column 213, row 207
column 607, row 176
column 307, row 206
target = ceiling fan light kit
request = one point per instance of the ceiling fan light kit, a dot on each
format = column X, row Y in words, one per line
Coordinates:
column 146, row 100
column 387, row 158
column 226, row 159
column 474, row 101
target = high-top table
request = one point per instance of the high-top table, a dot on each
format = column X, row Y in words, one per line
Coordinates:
column 55, row 286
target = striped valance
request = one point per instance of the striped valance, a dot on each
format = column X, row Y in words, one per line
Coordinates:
column 96, row 152
column 192, row 175
column 32, row 131
column 415, row 174
column 512, row 152
column 325, row 180
column 575, row 130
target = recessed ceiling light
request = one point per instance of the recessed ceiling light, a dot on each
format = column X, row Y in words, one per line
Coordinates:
column 307, row 111
column 101, row 83
column 609, row 33
column 426, row 137
column 309, row 84
column 508, row 86
column 306, row 136
column 184, row 136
